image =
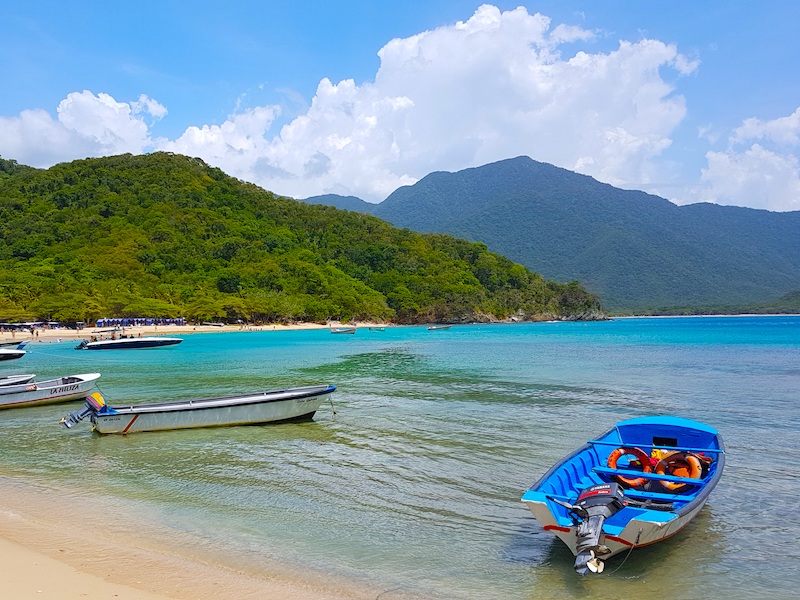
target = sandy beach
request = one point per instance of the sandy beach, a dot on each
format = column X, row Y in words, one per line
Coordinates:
column 49, row 551
column 45, row 335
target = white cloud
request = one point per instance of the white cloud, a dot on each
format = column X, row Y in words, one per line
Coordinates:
column 765, row 174
column 87, row 125
column 489, row 88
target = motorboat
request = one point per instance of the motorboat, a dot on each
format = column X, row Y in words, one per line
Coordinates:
column 344, row 329
column 126, row 343
column 294, row 404
column 13, row 353
column 639, row 483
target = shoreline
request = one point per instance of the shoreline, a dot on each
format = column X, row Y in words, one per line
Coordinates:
column 60, row 334
column 54, row 550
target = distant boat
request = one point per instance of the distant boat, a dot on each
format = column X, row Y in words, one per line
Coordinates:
column 247, row 409
column 377, row 328
column 639, row 483
column 52, row 391
column 127, row 343
column 213, row 324
column 435, row 327
column 15, row 379
column 13, row 353
column 345, row 329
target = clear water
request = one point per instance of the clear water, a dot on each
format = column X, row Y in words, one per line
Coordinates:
column 414, row 484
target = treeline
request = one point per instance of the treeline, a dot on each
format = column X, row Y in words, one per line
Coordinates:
column 164, row 235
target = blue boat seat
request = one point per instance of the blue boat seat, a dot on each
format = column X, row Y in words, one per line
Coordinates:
column 642, row 495
column 653, row 476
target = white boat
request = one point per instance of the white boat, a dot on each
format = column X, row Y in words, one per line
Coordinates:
column 13, row 353
column 435, row 327
column 247, row 409
column 16, row 379
column 126, row 343
column 52, row 391
column 344, row 329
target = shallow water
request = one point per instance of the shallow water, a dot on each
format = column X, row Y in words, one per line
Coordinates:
column 413, row 485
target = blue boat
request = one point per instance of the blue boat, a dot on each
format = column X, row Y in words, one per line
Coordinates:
column 639, row 483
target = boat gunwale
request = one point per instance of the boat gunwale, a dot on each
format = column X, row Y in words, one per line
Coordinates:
column 218, row 402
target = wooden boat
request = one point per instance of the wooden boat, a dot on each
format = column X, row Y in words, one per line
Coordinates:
column 344, row 329
column 637, row 484
column 13, row 353
column 52, row 391
column 16, row 379
column 126, row 343
column 247, row 409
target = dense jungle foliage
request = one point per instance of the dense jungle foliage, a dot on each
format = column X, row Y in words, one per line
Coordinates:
column 164, row 235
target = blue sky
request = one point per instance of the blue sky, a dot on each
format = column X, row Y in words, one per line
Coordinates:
column 693, row 101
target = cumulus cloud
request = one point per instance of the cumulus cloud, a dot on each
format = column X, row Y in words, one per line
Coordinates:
column 492, row 87
column 758, row 169
column 86, row 125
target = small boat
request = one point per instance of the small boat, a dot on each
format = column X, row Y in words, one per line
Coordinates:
column 13, row 353
column 126, row 343
column 637, row 484
column 345, row 329
column 377, row 328
column 294, row 404
column 52, row 391
column 435, row 327
column 16, row 379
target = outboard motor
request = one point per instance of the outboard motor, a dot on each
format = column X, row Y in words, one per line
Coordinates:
column 594, row 505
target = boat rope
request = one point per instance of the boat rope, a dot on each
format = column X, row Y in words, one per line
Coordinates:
column 333, row 410
column 624, row 560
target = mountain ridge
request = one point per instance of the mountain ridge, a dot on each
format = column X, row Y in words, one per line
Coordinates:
column 636, row 251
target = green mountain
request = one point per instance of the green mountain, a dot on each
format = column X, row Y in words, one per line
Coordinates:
column 635, row 251
column 166, row 235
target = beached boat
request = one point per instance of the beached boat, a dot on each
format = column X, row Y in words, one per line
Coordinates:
column 52, row 391
column 13, row 353
column 125, row 343
column 293, row 404
column 637, row 484
column 346, row 329
column 16, row 379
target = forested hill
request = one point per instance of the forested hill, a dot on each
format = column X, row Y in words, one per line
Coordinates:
column 636, row 251
column 166, row 235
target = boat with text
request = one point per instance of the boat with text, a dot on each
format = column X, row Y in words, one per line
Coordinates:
column 639, row 483
column 51, row 391
column 294, row 404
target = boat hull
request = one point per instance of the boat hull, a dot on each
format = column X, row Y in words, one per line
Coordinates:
column 250, row 409
column 53, row 391
column 8, row 354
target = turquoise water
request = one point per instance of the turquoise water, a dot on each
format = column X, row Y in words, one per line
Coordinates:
column 413, row 485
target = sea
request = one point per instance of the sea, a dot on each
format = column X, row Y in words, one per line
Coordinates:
column 409, row 481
